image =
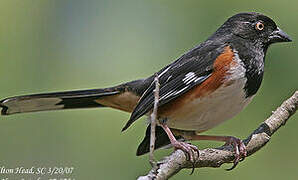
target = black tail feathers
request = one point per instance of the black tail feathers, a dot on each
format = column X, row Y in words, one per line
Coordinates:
column 54, row 101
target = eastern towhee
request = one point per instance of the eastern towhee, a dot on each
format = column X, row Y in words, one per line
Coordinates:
column 205, row 86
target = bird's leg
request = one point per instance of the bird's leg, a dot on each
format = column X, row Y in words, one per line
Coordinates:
column 187, row 148
column 239, row 147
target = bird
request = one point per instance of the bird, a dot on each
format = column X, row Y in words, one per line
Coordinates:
column 205, row 86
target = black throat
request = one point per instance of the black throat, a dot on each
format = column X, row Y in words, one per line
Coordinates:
column 253, row 57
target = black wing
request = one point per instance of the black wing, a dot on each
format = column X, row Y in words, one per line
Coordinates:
column 177, row 78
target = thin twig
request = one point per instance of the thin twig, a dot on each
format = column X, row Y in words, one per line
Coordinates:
column 215, row 157
column 153, row 121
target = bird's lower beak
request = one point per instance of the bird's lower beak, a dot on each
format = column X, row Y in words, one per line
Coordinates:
column 279, row 36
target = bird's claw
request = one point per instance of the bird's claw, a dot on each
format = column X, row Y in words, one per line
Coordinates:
column 189, row 151
column 239, row 149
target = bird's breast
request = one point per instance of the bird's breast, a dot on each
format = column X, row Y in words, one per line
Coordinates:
column 201, row 111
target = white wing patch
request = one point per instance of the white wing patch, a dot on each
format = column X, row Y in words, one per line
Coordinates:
column 192, row 77
column 189, row 77
column 173, row 93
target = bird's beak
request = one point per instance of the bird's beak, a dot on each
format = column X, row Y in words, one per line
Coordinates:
column 279, row 36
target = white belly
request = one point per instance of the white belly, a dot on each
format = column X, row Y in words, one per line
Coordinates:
column 209, row 111
column 222, row 104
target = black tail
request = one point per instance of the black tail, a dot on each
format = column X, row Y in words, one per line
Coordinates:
column 55, row 101
column 124, row 97
column 161, row 140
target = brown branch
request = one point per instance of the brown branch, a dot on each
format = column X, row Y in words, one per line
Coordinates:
column 210, row 157
column 153, row 120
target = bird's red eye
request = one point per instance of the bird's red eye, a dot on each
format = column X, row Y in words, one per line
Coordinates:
column 260, row 26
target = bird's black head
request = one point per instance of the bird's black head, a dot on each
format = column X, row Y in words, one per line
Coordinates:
column 254, row 27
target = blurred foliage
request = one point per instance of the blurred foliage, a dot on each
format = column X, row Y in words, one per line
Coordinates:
column 53, row 45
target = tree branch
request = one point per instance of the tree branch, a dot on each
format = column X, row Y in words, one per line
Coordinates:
column 215, row 157
column 153, row 120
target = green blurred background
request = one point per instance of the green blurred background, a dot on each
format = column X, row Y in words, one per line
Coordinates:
column 55, row 45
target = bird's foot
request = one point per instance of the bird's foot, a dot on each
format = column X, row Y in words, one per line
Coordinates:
column 188, row 149
column 239, row 149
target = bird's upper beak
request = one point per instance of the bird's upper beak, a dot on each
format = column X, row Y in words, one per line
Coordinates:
column 279, row 36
